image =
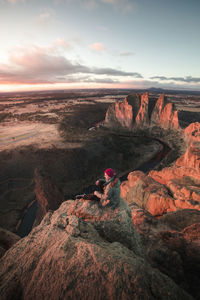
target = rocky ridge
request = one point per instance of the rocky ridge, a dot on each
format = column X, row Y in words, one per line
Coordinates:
column 171, row 188
column 84, row 251
column 139, row 112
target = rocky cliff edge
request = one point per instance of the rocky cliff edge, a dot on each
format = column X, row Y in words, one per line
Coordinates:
column 81, row 251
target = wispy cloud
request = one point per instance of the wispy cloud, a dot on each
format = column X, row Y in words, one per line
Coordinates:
column 61, row 43
column 15, row 1
column 97, row 47
column 120, row 5
column 46, row 16
column 114, row 72
column 39, row 65
column 188, row 79
column 12, row 1
column 147, row 83
column 128, row 53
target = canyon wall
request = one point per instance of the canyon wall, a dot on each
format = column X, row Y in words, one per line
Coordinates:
column 147, row 248
column 176, row 186
column 138, row 111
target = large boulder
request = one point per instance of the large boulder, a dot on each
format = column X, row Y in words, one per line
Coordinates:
column 172, row 244
column 67, row 257
column 147, row 194
column 113, row 225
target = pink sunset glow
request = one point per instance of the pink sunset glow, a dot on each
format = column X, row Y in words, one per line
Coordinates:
column 97, row 44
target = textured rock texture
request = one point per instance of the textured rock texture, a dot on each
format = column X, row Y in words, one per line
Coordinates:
column 172, row 244
column 72, row 255
column 47, row 195
column 147, row 193
column 164, row 114
column 191, row 158
column 137, row 111
column 183, row 178
column 7, row 240
column 174, row 187
column 148, row 248
column 120, row 113
column 142, row 118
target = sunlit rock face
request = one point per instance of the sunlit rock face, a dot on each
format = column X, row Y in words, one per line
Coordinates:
column 137, row 111
column 191, row 158
column 47, row 195
column 123, row 113
column 147, row 194
column 175, row 187
column 81, row 254
column 142, row 118
column 183, row 178
column 164, row 114
column 160, row 192
column 172, row 244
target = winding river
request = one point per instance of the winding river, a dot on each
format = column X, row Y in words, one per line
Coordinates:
column 29, row 217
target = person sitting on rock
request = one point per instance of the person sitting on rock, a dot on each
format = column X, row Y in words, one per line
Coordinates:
column 111, row 189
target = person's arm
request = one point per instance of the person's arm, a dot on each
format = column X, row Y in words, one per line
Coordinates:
column 105, row 198
column 98, row 194
column 99, row 183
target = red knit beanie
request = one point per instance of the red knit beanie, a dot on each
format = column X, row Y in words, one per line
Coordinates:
column 110, row 172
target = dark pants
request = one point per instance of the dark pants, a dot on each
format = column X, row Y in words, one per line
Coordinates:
column 89, row 192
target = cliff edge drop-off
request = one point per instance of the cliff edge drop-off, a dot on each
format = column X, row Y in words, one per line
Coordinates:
column 147, row 248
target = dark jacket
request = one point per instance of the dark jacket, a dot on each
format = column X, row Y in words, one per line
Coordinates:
column 111, row 195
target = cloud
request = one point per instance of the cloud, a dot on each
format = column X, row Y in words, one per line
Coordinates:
column 89, row 4
column 114, row 72
column 89, row 79
column 39, row 65
column 148, row 83
column 128, row 53
column 188, row 79
column 46, row 16
column 120, row 5
column 12, row 1
column 62, row 44
column 98, row 47
column 15, row 1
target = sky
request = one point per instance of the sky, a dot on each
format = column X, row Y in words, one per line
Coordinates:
column 60, row 44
